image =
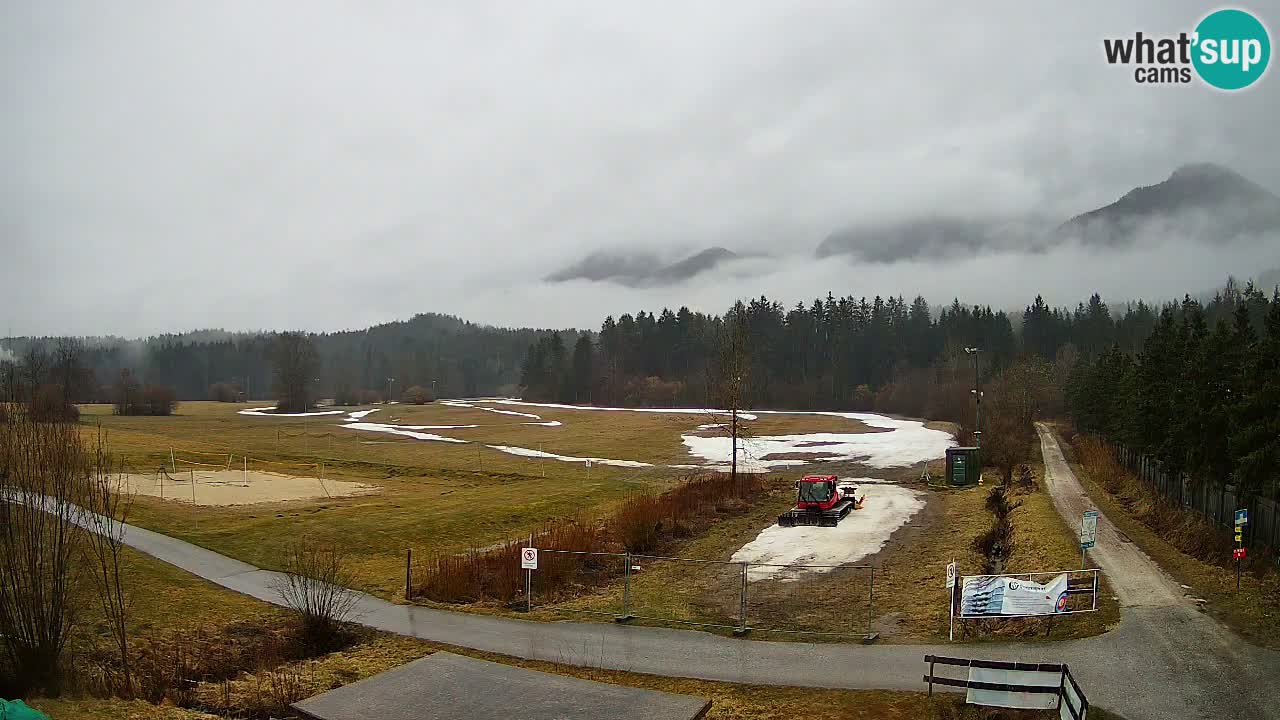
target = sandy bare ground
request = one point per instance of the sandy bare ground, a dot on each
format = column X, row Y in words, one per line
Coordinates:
column 235, row 487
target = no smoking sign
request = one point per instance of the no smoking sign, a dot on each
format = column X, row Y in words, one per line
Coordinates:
column 529, row 558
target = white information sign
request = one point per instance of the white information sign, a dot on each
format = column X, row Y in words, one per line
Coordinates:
column 529, row 558
column 1089, row 529
column 1004, row 595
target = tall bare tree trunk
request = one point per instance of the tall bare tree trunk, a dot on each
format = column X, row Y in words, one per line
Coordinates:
column 733, row 467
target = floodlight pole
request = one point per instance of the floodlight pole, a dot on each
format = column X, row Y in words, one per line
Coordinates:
column 389, row 381
column 977, row 396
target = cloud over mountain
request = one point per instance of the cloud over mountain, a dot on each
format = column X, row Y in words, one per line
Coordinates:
column 636, row 269
column 1208, row 202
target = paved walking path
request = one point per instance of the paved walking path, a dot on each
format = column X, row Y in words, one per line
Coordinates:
column 1166, row 660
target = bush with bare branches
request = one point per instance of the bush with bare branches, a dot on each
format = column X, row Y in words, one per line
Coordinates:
column 49, row 404
column 225, row 392
column 40, row 465
column 642, row 523
column 315, row 585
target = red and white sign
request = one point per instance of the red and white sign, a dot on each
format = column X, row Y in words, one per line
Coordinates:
column 529, row 558
column 1238, row 553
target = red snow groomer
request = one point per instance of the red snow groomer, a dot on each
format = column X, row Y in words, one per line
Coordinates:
column 821, row 500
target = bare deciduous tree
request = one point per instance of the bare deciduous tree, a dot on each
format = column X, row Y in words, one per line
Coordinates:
column 68, row 371
column 42, row 471
column 35, row 371
column 1013, row 402
column 295, row 362
column 728, row 383
column 108, row 503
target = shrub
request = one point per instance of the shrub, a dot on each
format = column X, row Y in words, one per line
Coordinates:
column 642, row 523
column 155, row 400
column 418, row 395
column 315, row 586
column 133, row 399
column 224, row 392
column 353, row 396
column 49, row 405
column 863, row 398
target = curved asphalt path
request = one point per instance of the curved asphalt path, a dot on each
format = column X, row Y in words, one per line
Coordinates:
column 1166, row 660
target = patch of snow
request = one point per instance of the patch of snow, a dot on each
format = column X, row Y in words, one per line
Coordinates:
column 403, row 430
column 526, row 452
column 908, row 442
column 711, row 426
column 673, row 411
column 359, row 414
column 261, row 412
column 863, row 532
column 460, row 404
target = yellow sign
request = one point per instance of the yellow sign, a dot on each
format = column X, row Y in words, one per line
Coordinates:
column 1239, row 538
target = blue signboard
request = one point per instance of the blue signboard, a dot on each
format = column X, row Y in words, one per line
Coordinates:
column 1242, row 517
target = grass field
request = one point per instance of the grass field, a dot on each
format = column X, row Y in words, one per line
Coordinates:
column 435, row 496
column 210, row 427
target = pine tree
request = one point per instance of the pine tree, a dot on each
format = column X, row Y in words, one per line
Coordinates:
column 1255, row 443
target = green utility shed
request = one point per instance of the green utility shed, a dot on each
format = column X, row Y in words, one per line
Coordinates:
column 963, row 466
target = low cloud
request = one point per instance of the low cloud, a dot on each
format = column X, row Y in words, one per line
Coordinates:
column 641, row 269
column 937, row 238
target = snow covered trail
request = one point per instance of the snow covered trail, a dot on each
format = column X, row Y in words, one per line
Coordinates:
column 402, row 430
column 671, row 411
column 462, row 404
column 863, row 532
column 526, row 452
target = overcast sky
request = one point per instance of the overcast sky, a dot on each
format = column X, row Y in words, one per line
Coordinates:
column 246, row 165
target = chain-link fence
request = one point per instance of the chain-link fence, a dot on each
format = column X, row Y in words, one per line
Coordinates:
column 826, row 600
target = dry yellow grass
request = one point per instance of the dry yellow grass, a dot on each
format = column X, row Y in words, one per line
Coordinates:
column 435, row 497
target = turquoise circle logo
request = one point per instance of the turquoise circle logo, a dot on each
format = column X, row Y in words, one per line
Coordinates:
column 1232, row 49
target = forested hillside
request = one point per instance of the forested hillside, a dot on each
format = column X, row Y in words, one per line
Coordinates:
column 461, row 358
column 835, row 353
column 1202, row 394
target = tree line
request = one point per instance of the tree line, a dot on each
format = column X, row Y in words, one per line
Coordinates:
column 440, row 353
column 1202, row 393
column 834, row 353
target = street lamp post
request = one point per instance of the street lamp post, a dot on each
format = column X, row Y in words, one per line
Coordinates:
column 977, row 396
column 389, row 381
